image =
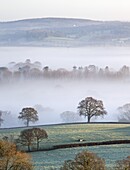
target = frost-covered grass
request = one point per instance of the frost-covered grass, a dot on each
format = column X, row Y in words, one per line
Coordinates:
column 63, row 134
column 89, row 132
column 56, row 158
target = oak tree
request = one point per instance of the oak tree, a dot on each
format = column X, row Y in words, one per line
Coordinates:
column 90, row 107
column 28, row 115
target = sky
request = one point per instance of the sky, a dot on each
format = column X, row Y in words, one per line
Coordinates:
column 86, row 9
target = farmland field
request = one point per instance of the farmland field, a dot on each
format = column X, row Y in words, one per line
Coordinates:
column 70, row 133
column 55, row 158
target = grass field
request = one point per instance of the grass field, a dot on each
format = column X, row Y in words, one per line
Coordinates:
column 63, row 134
column 55, row 158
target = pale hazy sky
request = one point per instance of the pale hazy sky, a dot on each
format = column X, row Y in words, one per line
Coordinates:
column 89, row 9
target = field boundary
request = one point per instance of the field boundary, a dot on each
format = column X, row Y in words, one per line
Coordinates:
column 73, row 145
column 62, row 124
column 114, row 142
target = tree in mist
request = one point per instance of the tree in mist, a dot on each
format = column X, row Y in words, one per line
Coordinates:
column 90, row 107
column 1, row 120
column 2, row 114
column 85, row 161
column 124, row 113
column 69, row 116
column 11, row 159
column 123, row 164
column 28, row 115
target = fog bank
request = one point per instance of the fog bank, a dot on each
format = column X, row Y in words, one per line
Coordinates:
column 58, row 95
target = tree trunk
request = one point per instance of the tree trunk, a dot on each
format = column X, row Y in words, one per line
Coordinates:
column 27, row 123
column 37, row 145
column 89, row 119
column 29, row 148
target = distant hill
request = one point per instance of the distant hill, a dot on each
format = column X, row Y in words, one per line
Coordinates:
column 63, row 32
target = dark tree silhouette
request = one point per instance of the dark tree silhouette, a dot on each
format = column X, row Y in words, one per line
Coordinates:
column 29, row 137
column 29, row 115
column 39, row 135
column 90, row 107
column 26, row 138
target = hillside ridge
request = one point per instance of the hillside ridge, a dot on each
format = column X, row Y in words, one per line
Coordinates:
column 64, row 32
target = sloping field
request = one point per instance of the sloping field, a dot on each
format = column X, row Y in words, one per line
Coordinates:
column 71, row 133
column 55, row 158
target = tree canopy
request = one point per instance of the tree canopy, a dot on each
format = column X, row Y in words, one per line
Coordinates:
column 29, row 137
column 11, row 159
column 28, row 115
column 90, row 107
column 26, row 138
column 39, row 135
column 85, row 161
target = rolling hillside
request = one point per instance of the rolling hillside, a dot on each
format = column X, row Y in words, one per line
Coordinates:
column 63, row 32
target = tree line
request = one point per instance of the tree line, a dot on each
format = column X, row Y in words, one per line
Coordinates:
column 28, row 70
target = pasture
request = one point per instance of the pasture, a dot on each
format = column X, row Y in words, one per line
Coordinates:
column 71, row 133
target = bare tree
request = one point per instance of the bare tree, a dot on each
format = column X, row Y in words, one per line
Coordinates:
column 28, row 114
column 90, row 107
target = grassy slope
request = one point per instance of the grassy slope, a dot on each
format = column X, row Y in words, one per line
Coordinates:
column 61, row 134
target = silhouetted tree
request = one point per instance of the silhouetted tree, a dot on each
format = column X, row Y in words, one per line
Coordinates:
column 29, row 115
column 26, row 138
column 90, row 107
column 39, row 135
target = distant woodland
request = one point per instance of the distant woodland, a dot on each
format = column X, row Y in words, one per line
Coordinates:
column 28, row 70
